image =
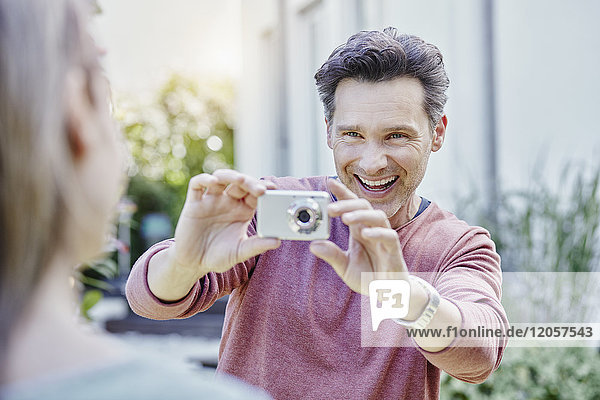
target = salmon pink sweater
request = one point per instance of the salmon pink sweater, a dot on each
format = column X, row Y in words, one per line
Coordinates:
column 293, row 328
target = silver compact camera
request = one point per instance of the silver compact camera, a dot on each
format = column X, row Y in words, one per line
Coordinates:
column 293, row 215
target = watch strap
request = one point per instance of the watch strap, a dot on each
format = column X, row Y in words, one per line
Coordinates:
column 430, row 309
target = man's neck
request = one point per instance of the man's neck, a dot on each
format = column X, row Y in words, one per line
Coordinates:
column 407, row 212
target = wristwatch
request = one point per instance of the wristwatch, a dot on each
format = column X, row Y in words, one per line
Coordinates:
column 430, row 309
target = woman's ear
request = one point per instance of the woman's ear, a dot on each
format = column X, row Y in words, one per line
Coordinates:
column 439, row 134
column 75, row 140
column 76, row 104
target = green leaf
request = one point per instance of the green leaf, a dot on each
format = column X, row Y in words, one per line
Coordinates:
column 90, row 299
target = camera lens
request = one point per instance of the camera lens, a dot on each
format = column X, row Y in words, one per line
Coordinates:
column 303, row 216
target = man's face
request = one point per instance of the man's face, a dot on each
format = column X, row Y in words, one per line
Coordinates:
column 381, row 141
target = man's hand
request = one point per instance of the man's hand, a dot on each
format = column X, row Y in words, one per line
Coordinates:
column 211, row 232
column 373, row 246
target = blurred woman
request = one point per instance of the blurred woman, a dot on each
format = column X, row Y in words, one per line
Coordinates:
column 61, row 174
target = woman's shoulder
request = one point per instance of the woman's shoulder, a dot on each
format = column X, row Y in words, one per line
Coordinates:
column 148, row 376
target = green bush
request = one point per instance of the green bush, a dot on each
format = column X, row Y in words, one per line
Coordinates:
column 556, row 373
column 150, row 196
column 93, row 278
column 185, row 130
column 541, row 229
column 545, row 229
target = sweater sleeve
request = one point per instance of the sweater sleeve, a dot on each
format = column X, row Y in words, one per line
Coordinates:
column 201, row 297
column 471, row 278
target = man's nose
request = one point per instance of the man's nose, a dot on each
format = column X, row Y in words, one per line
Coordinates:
column 373, row 159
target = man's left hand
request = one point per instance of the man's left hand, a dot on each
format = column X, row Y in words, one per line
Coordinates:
column 373, row 245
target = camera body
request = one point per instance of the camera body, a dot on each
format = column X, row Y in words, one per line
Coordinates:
column 293, row 215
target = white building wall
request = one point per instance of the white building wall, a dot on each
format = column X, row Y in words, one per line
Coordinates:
column 545, row 57
column 457, row 28
column 258, row 124
column 548, row 87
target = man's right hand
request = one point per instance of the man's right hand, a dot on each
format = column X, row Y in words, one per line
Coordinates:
column 211, row 234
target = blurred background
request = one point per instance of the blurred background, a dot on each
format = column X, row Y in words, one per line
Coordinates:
column 199, row 85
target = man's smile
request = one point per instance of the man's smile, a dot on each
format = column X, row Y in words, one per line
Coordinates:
column 379, row 185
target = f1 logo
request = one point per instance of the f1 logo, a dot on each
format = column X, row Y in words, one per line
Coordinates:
column 389, row 299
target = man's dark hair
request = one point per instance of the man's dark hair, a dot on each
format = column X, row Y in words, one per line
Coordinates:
column 375, row 56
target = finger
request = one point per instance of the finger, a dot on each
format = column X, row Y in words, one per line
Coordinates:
column 270, row 185
column 251, row 201
column 343, row 206
column 255, row 245
column 382, row 235
column 251, row 185
column 331, row 254
column 386, row 246
column 198, row 185
column 339, row 190
column 236, row 192
column 224, row 177
column 216, row 188
column 371, row 218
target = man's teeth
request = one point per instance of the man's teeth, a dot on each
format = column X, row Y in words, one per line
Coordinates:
column 377, row 184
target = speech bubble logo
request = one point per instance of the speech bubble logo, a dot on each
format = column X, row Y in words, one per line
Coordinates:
column 389, row 299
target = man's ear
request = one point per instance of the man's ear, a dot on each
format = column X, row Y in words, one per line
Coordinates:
column 329, row 139
column 439, row 134
column 75, row 103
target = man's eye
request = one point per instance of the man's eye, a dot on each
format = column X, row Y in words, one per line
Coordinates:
column 396, row 136
column 353, row 134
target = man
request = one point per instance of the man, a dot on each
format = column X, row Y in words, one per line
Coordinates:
column 293, row 322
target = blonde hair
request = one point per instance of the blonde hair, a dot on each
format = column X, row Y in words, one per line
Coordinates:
column 40, row 41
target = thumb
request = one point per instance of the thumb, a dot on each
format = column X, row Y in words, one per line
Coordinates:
column 331, row 254
column 255, row 245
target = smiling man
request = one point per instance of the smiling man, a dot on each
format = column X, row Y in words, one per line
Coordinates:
column 293, row 322
column 381, row 140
